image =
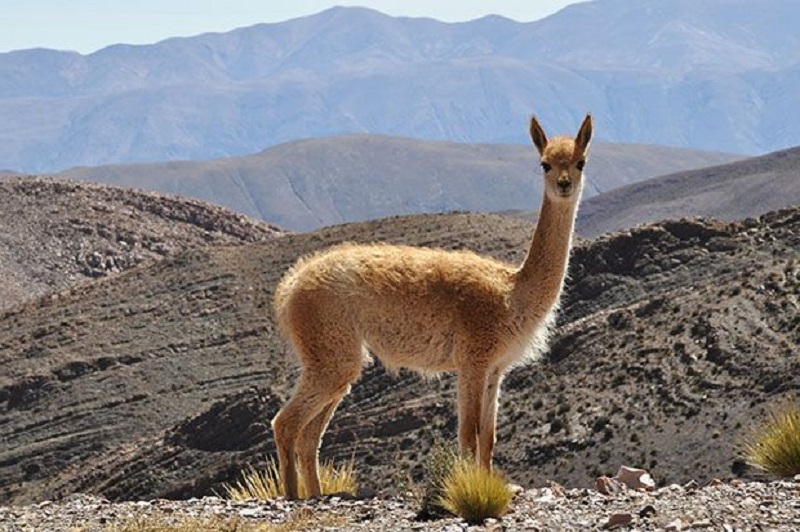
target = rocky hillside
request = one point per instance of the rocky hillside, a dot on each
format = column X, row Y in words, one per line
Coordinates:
column 161, row 381
column 55, row 234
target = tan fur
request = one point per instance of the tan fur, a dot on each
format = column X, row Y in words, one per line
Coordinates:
column 424, row 309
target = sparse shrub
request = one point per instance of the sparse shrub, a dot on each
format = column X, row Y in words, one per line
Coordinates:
column 437, row 467
column 456, row 484
column 774, row 446
column 266, row 485
column 473, row 493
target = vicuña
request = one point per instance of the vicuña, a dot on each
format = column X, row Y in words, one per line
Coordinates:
column 428, row 310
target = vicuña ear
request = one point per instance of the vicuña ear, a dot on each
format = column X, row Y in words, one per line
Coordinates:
column 537, row 136
column 584, row 135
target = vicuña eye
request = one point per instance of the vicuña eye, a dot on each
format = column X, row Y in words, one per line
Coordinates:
column 580, row 164
column 547, row 167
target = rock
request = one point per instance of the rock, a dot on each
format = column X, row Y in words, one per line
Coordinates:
column 674, row 526
column 557, row 489
column 250, row 512
column 608, row 486
column 366, row 493
column 546, row 495
column 647, row 512
column 637, row 479
column 691, row 485
column 672, row 487
column 618, row 520
column 515, row 489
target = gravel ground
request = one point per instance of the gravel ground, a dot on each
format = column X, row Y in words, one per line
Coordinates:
column 718, row 506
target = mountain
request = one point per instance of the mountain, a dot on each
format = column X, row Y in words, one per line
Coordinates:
column 306, row 184
column 57, row 234
column 732, row 191
column 711, row 75
column 161, row 381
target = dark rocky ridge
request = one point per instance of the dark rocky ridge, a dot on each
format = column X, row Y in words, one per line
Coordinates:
column 161, row 381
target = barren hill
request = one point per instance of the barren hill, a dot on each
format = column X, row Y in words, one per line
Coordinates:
column 732, row 191
column 161, row 381
column 307, row 184
column 57, row 233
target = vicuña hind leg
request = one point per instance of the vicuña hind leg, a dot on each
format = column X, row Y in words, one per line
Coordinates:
column 309, row 443
column 307, row 402
column 331, row 363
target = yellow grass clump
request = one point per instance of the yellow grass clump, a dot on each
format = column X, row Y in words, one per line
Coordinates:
column 266, row 484
column 474, row 494
column 775, row 445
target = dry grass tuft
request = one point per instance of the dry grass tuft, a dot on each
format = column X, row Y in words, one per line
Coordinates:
column 774, row 446
column 456, row 484
column 473, row 493
column 266, row 485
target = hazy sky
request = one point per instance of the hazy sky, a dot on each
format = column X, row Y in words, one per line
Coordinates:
column 88, row 25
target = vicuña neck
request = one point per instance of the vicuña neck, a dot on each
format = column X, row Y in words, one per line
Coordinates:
column 541, row 276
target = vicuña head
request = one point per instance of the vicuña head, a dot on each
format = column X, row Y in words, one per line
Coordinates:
column 424, row 309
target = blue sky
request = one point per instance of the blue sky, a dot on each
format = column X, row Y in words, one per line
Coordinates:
column 88, row 25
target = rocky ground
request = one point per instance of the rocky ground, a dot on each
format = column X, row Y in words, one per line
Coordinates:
column 57, row 233
column 728, row 507
column 159, row 381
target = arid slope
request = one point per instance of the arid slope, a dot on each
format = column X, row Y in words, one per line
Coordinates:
column 161, row 381
column 58, row 233
column 306, row 184
column 750, row 187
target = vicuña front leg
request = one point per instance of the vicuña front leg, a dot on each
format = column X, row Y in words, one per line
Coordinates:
column 471, row 383
column 486, row 434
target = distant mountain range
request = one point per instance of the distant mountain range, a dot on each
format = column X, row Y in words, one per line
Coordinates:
column 713, row 74
column 306, row 184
